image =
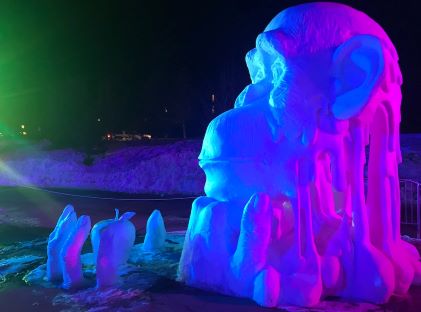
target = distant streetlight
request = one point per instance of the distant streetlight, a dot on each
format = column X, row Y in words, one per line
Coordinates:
column 22, row 126
column 99, row 119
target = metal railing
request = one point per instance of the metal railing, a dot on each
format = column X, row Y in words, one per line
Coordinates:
column 410, row 194
column 410, row 207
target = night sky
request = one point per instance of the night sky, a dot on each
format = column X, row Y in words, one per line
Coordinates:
column 64, row 64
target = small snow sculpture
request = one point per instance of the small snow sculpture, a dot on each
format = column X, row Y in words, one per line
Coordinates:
column 65, row 225
column 111, row 241
column 155, row 232
column 70, row 253
column 64, row 247
column 286, row 219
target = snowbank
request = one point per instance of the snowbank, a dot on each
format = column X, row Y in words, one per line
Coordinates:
column 167, row 168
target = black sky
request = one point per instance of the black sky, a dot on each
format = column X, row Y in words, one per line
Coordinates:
column 63, row 64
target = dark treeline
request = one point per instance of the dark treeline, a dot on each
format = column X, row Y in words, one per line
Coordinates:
column 150, row 66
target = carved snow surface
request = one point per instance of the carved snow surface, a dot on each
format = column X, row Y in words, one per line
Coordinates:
column 155, row 232
column 112, row 241
column 143, row 270
column 64, row 247
column 288, row 217
column 70, row 253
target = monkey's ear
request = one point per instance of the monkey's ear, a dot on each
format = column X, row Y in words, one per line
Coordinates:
column 357, row 67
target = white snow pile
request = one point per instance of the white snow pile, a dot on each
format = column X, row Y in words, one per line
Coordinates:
column 167, row 168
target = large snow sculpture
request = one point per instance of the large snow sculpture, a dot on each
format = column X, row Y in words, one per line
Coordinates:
column 112, row 241
column 285, row 219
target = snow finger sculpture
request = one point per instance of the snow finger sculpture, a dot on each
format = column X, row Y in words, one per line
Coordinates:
column 286, row 218
column 65, row 225
column 111, row 241
column 64, row 247
column 155, row 232
column 70, row 254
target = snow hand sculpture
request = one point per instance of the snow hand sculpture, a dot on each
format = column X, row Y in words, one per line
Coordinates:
column 64, row 247
column 70, row 254
column 286, row 218
column 56, row 240
column 111, row 241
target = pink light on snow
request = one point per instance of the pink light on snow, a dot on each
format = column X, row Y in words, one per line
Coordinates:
column 285, row 219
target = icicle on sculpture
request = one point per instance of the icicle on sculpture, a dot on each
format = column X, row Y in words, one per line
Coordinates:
column 155, row 232
column 64, row 247
column 285, row 219
column 112, row 241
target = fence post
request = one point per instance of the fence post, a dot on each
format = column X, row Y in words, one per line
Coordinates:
column 418, row 212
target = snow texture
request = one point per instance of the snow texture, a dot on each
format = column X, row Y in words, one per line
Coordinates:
column 143, row 269
column 155, row 232
column 112, row 241
column 165, row 168
column 70, row 254
column 56, row 241
column 285, row 220
column 64, row 247
column 11, row 266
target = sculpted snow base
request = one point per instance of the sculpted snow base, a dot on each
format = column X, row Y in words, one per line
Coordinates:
column 286, row 219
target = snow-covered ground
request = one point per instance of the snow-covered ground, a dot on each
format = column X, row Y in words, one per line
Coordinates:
column 170, row 168
column 148, row 283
